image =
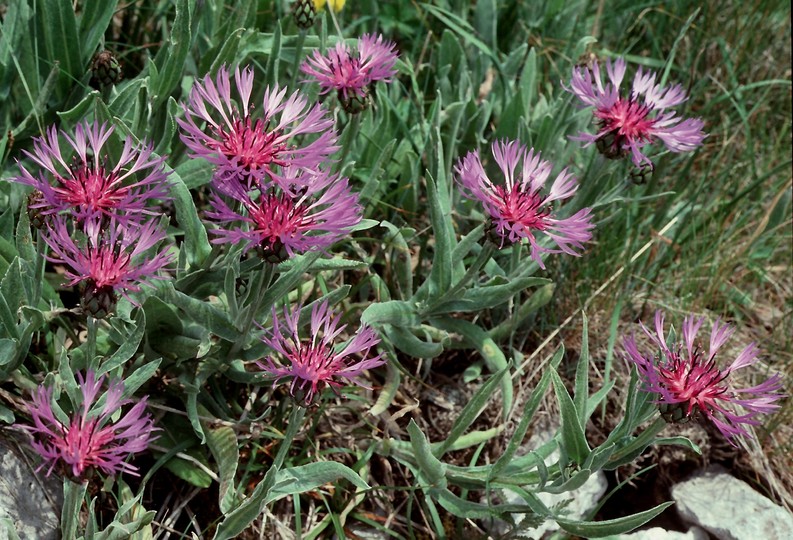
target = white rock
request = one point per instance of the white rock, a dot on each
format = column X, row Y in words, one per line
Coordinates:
column 730, row 509
column 657, row 533
column 25, row 507
column 582, row 499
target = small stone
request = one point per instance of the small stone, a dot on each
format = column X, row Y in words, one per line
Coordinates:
column 730, row 509
column 657, row 533
column 29, row 502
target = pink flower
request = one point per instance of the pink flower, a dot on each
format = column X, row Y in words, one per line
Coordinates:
column 316, row 211
column 248, row 149
column 93, row 185
column 352, row 74
column 316, row 363
column 107, row 261
column 627, row 124
column 90, row 438
column 688, row 382
column 518, row 209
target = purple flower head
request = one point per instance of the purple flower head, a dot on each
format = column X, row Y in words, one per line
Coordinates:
column 315, row 363
column 107, row 261
column 314, row 212
column 351, row 74
column 90, row 439
column 628, row 123
column 517, row 208
column 247, row 149
column 688, row 382
column 92, row 185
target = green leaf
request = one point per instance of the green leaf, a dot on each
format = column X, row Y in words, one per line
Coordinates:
column 195, row 172
column 222, row 442
column 479, row 298
column 471, row 411
column 73, row 495
column 306, row 478
column 582, row 375
column 238, row 519
column 188, row 471
column 598, row 529
column 475, row 337
column 196, row 241
column 128, row 348
column 529, row 411
column 172, row 56
column 6, row 414
column 407, row 342
column 573, row 436
column 431, row 467
column 62, row 42
column 205, row 314
column 94, row 20
column 394, row 312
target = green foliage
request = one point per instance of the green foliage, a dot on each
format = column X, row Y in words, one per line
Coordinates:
column 420, row 269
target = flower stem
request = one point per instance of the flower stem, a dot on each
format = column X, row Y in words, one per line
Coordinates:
column 301, row 39
column 484, row 255
column 258, row 283
column 41, row 261
column 295, row 422
column 90, row 343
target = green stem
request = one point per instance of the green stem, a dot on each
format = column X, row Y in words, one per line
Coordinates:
column 257, row 285
column 644, row 439
column 90, row 343
column 73, row 495
column 484, row 255
column 295, row 422
column 301, row 39
column 41, row 261
column 350, row 134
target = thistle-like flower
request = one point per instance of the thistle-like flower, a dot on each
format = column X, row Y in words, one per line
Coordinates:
column 351, row 75
column 107, row 261
column 627, row 124
column 250, row 150
column 316, row 363
column 316, row 211
column 687, row 382
column 517, row 209
column 94, row 185
column 90, row 439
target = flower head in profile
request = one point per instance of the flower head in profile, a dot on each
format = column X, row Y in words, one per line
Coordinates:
column 90, row 439
column 628, row 123
column 250, row 147
column 106, row 262
column 91, row 184
column 688, row 382
column 351, row 74
column 315, row 363
column 316, row 210
column 518, row 208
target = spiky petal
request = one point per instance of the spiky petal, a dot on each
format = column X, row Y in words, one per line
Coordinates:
column 628, row 123
column 93, row 184
column 518, row 209
column 90, row 438
column 251, row 147
column 351, row 74
column 314, row 212
column 315, row 363
column 113, row 259
column 683, row 374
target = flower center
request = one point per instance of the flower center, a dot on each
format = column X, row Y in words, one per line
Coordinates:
column 695, row 380
column 277, row 217
column 521, row 209
column 626, row 120
column 82, row 444
column 250, row 145
column 91, row 189
column 313, row 362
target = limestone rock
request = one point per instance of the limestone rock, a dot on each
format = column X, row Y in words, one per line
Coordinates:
column 29, row 503
column 730, row 509
column 657, row 533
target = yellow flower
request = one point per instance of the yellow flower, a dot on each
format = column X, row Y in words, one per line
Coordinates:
column 335, row 5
